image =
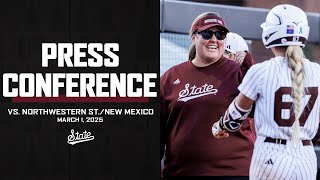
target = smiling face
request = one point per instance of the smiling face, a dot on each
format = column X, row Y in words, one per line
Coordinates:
column 207, row 51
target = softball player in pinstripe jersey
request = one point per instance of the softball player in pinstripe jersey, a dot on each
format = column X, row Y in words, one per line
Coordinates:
column 286, row 91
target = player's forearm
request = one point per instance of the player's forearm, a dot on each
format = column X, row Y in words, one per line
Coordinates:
column 232, row 118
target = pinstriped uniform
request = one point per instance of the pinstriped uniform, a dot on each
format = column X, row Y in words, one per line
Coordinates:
column 269, row 84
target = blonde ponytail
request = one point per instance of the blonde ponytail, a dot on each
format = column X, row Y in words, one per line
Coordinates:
column 294, row 55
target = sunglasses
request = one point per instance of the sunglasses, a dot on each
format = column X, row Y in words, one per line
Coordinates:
column 207, row 34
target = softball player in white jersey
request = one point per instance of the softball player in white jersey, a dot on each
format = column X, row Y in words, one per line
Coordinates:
column 286, row 90
column 235, row 47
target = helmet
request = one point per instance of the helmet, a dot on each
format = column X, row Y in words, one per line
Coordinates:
column 234, row 43
column 285, row 25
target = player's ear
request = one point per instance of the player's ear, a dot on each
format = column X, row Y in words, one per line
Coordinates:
column 193, row 38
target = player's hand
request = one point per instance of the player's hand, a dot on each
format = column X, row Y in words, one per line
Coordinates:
column 240, row 55
column 231, row 56
column 217, row 132
column 221, row 134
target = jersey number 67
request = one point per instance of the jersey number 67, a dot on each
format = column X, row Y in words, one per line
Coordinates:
column 280, row 105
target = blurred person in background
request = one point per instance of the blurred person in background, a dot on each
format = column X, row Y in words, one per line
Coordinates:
column 237, row 49
column 192, row 95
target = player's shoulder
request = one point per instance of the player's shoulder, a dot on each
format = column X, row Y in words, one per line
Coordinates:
column 312, row 64
column 174, row 70
column 312, row 69
column 261, row 66
column 176, row 67
column 228, row 65
column 228, row 62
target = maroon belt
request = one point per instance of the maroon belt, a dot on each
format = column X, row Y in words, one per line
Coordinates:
column 283, row 141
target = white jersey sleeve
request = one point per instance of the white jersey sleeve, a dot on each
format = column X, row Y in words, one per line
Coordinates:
column 252, row 82
column 318, row 66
